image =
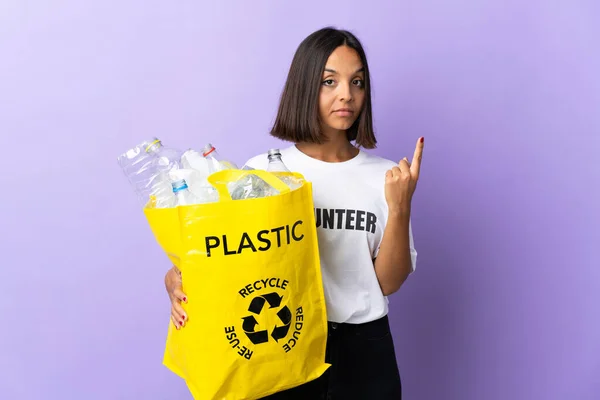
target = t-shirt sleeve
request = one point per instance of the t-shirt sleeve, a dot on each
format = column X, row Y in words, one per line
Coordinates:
column 413, row 251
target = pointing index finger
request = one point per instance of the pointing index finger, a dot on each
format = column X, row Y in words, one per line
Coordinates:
column 415, row 166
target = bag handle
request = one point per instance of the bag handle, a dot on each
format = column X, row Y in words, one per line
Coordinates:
column 220, row 180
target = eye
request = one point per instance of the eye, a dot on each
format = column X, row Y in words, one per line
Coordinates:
column 358, row 82
column 328, row 82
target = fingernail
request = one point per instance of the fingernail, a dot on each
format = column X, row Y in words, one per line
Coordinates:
column 185, row 299
column 181, row 323
column 183, row 317
column 422, row 139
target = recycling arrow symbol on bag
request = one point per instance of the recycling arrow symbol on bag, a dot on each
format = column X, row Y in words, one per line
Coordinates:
column 256, row 307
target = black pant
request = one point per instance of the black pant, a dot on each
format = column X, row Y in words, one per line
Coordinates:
column 363, row 366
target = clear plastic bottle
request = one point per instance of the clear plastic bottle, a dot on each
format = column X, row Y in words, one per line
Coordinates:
column 215, row 162
column 251, row 187
column 191, row 159
column 167, row 158
column 183, row 196
column 278, row 168
column 197, row 185
column 147, row 173
column 136, row 166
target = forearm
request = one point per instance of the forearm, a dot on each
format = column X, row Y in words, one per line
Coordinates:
column 393, row 263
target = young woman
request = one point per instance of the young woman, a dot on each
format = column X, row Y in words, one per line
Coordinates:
column 367, row 249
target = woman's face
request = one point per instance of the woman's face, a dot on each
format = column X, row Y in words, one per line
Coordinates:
column 342, row 93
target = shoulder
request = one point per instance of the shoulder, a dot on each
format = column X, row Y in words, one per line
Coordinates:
column 377, row 162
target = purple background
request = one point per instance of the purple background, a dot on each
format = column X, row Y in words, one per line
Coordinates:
column 504, row 303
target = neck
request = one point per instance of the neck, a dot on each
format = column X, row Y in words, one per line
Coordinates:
column 337, row 148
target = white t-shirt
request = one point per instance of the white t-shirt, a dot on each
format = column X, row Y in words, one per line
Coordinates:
column 351, row 213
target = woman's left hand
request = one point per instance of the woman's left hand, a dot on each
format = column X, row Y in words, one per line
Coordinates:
column 401, row 181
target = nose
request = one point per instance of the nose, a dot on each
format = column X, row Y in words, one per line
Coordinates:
column 345, row 92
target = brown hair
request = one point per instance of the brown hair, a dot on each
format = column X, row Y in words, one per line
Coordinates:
column 298, row 115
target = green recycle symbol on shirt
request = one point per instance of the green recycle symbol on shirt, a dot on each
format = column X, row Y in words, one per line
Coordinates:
column 257, row 305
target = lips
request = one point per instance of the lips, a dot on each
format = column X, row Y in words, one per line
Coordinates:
column 344, row 112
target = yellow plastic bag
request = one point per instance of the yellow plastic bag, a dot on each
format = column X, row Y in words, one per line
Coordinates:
column 257, row 321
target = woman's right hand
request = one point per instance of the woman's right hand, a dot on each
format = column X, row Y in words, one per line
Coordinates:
column 174, row 289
